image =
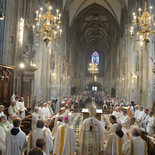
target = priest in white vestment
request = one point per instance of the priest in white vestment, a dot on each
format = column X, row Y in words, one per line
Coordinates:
column 40, row 132
column 3, row 132
column 46, row 111
column 140, row 115
column 151, row 124
column 13, row 110
column 136, row 112
column 15, row 139
column 22, row 108
column 135, row 146
column 41, row 111
column 1, row 110
column 125, row 120
column 65, row 139
column 35, row 118
column 115, row 142
column 91, row 138
column 49, row 103
column 145, row 118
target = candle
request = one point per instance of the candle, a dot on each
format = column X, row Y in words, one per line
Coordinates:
column 37, row 12
column 33, row 28
column 60, row 32
column 151, row 9
column 57, row 12
column 41, row 10
column 139, row 11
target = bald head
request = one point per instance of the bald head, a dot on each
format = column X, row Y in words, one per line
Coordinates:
column 136, row 132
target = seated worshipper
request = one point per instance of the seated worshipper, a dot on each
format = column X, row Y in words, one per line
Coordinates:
column 1, row 110
column 3, row 131
column 145, row 118
column 140, row 115
column 65, row 139
column 36, row 151
column 135, row 146
column 41, row 143
column 49, row 104
column 35, row 118
column 91, row 135
column 22, row 108
column 40, row 132
column 136, row 112
column 133, row 124
column 150, row 124
column 15, row 139
column 113, row 121
column 41, row 111
column 125, row 120
column 115, row 142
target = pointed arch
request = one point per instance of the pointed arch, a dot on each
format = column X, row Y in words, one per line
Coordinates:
column 95, row 57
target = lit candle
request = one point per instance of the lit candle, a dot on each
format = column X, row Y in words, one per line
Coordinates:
column 59, row 16
column 151, row 9
column 33, row 28
column 57, row 12
column 139, row 11
column 37, row 12
column 60, row 32
column 55, row 34
column 41, row 10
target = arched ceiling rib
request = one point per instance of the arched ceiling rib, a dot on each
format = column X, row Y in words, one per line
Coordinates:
column 113, row 6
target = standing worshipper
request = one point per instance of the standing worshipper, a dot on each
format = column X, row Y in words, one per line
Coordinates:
column 140, row 115
column 49, row 103
column 125, row 120
column 41, row 111
column 22, row 107
column 65, row 139
column 35, row 118
column 13, row 110
column 41, row 143
column 15, row 139
column 91, row 135
column 136, row 112
column 115, row 142
column 40, row 132
column 145, row 118
column 135, row 146
column 3, row 131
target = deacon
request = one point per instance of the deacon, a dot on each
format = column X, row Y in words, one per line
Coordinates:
column 91, row 135
column 65, row 139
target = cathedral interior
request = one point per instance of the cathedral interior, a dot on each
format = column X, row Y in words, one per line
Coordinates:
column 61, row 53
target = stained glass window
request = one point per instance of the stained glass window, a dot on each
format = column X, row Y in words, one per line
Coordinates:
column 95, row 57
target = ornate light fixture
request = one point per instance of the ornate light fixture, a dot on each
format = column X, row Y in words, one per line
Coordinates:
column 93, row 69
column 1, row 16
column 47, row 24
column 144, row 22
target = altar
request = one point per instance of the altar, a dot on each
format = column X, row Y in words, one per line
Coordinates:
column 85, row 112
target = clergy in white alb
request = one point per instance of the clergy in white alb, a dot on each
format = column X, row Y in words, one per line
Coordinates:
column 3, row 132
column 135, row 146
column 136, row 112
column 125, row 120
column 140, row 115
column 12, row 110
column 15, row 139
column 35, row 118
column 151, row 124
column 115, row 142
column 49, row 103
column 22, row 108
column 65, row 140
column 145, row 118
column 40, row 132
column 91, row 135
column 41, row 111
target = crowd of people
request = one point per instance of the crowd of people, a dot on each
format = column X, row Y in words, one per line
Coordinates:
column 121, row 133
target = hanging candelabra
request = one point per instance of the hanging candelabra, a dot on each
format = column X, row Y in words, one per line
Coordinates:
column 93, row 69
column 47, row 24
column 144, row 23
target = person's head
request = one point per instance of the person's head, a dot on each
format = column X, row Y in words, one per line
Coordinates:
column 17, row 122
column 112, row 119
column 60, row 119
column 36, row 109
column 40, row 124
column 132, row 120
column 1, row 108
column 41, row 143
column 48, row 122
column 146, row 110
column 141, row 108
column 92, row 110
column 116, row 109
column 35, row 151
column 3, row 119
column 49, row 103
column 151, row 113
column 45, row 104
column 119, row 109
column 136, row 132
column 17, row 98
column 13, row 103
column 22, row 99
column 66, row 119
column 14, row 116
column 137, row 107
column 124, row 113
column 119, row 127
column 42, row 104
column 60, row 111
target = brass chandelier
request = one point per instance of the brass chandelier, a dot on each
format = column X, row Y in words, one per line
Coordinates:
column 47, row 24
column 93, row 69
column 144, row 22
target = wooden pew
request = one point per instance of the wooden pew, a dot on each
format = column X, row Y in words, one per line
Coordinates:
column 26, row 124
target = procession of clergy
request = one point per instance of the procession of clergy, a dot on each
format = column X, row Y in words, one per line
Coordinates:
column 121, row 135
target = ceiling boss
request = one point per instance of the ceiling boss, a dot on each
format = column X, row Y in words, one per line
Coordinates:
column 47, row 24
